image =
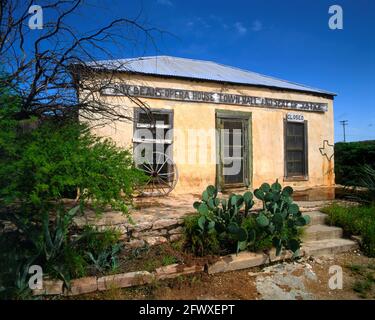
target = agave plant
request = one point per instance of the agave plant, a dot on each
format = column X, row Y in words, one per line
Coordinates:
column 106, row 259
column 367, row 180
column 51, row 242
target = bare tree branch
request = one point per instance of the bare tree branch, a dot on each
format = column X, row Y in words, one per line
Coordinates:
column 48, row 75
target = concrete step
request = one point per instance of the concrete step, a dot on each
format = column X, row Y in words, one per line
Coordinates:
column 321, row 232
column 328, row 246
column 317, row 217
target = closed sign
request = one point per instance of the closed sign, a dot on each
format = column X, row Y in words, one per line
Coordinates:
column 294, row 117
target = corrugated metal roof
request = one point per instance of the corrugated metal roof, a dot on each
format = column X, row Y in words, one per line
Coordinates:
column 198, row 69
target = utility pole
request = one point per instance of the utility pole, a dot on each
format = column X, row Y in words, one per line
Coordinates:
column 344, row 123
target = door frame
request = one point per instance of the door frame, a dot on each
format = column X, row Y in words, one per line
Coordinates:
column 248, row 168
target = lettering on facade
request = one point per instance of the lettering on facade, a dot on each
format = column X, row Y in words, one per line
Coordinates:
column 293, row 117
column 212, row 97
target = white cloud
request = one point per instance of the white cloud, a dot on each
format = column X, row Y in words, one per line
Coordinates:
column 257, row 26
column 198, row 23
column 165, row 2
column 241, row 29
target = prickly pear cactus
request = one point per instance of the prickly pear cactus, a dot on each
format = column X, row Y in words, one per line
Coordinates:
column 223, row 216
column 280, row 217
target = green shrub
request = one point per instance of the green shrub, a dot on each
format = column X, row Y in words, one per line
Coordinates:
column 39, row 167
column 75, row 262
column 368, row 239
column 168, row 260
column 41, row 162
column 350, row 158
column 358, row 220
column 95, row 241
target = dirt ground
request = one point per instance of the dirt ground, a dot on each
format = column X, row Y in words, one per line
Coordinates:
column 358, row 273
column 349, row 262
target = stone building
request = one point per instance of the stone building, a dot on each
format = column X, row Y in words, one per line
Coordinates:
column 220, row 125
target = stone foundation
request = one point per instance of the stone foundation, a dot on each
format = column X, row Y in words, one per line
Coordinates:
column 155, row 220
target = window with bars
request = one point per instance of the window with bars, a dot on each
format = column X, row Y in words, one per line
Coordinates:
column 296, row 149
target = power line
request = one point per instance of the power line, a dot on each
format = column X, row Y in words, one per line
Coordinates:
column 344, row 123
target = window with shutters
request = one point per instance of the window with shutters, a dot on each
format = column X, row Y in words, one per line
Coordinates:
column 296, row 150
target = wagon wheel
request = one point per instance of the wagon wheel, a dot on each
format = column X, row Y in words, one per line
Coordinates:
column 162, row 175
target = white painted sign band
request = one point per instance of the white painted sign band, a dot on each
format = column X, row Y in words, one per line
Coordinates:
column 211, row 97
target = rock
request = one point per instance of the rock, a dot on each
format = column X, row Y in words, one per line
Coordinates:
column 152, row 241
column 164, row 223
column 50, row 287
column 150, row 233
column 289, row 280
column 175, row 270
column 175, row 237
column 285, row 254
column 115, row 228
column 358, row 239
column 282, row 286
column 135, row 243
column 279, row 268
column 177, row 230
column 106, row 219
column 82, row 285
column 310, row 275
column 243, row 260
column 141, row 226
column 8, row 226
column 124, row 280
column 318, row 261
column 270, row 291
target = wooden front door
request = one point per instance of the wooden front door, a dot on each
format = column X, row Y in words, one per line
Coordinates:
column 233, row 152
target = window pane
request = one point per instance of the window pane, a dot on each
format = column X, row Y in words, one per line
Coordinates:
column 233, row 149
column 153, row 118
column 295, row 149
column 160, row 142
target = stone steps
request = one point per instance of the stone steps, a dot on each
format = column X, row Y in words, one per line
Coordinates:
column 320, row 239
column 328, row 246
column 321, row 232
column 317, row 217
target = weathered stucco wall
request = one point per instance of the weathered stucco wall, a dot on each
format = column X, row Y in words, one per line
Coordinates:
column 267, row 136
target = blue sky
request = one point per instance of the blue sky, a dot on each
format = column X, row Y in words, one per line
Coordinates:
column 287, row 39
